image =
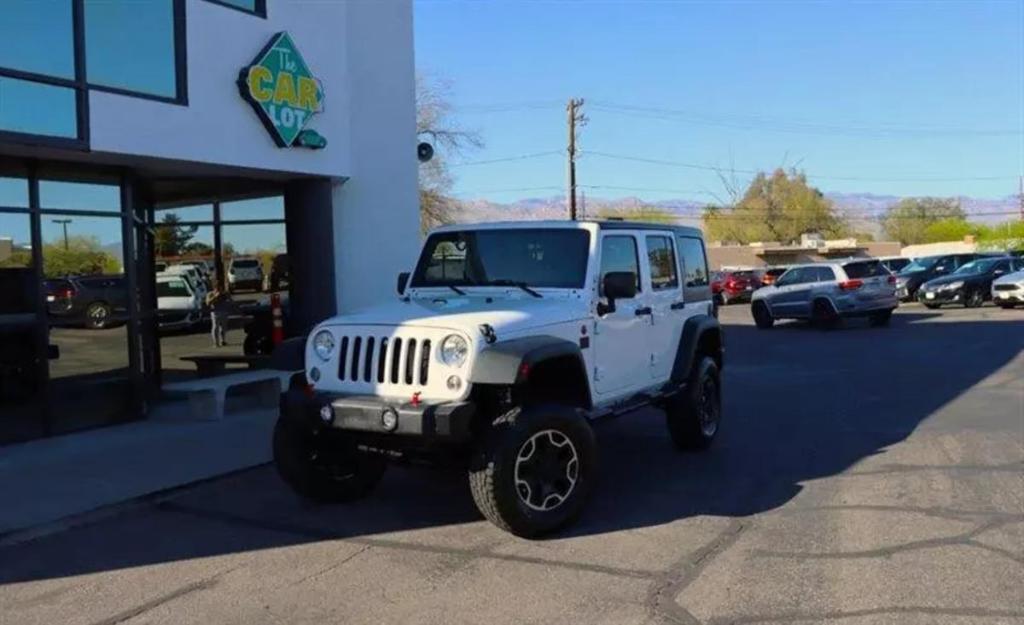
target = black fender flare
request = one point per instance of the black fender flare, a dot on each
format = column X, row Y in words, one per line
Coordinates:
column 694, row 329
column 509, row 362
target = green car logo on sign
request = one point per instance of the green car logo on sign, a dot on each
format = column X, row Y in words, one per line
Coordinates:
column 284, row 93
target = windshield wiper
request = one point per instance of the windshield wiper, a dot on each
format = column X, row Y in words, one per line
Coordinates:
column 522, row 285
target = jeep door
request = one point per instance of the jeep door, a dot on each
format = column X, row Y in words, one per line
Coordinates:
column 620, row 337
column 665, row 301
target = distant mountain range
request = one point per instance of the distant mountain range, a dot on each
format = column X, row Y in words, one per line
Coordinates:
column 860, row 209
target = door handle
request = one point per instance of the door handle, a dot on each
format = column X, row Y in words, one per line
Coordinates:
column 646, row 310
column 678, row 305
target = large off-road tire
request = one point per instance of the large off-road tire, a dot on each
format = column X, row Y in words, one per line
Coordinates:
column 695, row 413
column 974, row 299
column 879, row 319
column 762, row 316
column 324, row 468
column 97, row 316
column 532, row 471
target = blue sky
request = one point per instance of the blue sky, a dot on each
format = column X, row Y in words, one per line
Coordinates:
column 924, row 92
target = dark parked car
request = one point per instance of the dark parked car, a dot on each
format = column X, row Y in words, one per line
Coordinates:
column 736, row 286
column 772, row 274
column 910, row 279
column 896, row 264
column 969, row 285
column 91, row 301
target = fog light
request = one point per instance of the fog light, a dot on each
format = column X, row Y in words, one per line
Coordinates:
column 326, row 413
column 454, row 383
column 389, row 419
column 314, row 374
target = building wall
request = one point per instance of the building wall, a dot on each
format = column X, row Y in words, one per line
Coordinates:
column 750, row 256
column 376, row 218
column 945, row 247
column 218, row 126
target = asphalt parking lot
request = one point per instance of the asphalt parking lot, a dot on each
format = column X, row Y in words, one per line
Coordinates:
column 863, row 476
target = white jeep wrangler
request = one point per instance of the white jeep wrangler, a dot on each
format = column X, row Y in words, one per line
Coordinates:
column 507, row 342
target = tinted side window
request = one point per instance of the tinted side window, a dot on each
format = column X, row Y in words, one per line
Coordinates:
column 824, row 274
column 662, row 261
column 618, row 253
column 866, row 269
column 695, row 266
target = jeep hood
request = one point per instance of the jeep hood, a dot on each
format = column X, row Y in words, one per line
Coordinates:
column 503, row 313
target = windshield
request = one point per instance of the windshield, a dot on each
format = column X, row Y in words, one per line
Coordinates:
column 976, row 267
column 553, row 258
column 245, row 264
column 920, row 264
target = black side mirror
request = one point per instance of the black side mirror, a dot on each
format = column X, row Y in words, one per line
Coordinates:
column 617, row 285
column 403, row 279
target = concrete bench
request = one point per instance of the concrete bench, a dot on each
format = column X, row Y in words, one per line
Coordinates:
column 206, row 396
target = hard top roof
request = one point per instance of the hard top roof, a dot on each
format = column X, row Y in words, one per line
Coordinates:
column 602, row 224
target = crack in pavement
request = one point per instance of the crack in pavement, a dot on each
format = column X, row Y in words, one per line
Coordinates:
column 661, row 598
column 1009, row 467
column 203, row 584
column 483, row 553
column 937, row 512
column 963, row 539
column 332, row 567
column 817, row 617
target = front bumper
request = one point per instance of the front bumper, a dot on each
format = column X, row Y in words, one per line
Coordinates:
column 447, row 422
column 940, row 297
column 1008, row 297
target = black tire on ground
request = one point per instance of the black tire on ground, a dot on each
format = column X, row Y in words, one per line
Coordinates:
column 880, row 318
column 327, row 469
column 823, row 315
column 762, row 316
column 974, row 299
column 933, row 306
column 97, row 315
column 532, row 471
column 1007, row 306
column 694, row 414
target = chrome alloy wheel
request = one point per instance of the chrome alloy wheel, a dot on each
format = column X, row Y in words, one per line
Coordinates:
column 547, row 469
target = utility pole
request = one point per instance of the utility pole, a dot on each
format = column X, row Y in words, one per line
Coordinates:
column 64, row 222
column 1020, row 196
column 576, row 118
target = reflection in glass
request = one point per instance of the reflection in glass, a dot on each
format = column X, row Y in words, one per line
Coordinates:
column 259, row 208
column 248, row 5
column 38, row 109
column 79, row 196
column 37, row 37
column 202, row 212
column 130, row 45
column 14, row 192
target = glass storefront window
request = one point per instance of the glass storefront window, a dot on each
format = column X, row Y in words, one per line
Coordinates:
column 38, row 37
column 202, row 212
column 256, row 7
column 259, row 208
column 131, row 46
column 14, row 192
column 15, row 264
column 57, row 194
column 36, row 108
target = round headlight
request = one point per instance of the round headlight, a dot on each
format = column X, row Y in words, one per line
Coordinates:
column 454, row 350
column 323, row 344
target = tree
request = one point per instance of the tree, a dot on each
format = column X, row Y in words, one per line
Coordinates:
column 435, row 125
column 1008, row 235
column 953, row 229
column 172, row 239
column 907, row 220
column 84, row 255
column 776, row 207
column 647, row 214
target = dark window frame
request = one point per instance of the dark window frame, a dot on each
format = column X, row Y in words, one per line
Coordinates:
column 260, row 11
column 82, row 86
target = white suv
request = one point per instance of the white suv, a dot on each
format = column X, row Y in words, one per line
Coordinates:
column 508, row 340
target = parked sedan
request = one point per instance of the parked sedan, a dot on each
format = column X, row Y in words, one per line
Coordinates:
column 970, row 285
column 1008, row 290
column 911, row 277
column 827, row 292
column 736, row 286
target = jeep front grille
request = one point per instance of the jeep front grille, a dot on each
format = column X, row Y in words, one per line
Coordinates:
column 384, row 360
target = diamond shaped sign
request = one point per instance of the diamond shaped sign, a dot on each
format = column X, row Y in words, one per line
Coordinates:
column 284, row 93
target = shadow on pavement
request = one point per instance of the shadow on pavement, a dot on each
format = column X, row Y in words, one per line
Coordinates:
column 798, row 406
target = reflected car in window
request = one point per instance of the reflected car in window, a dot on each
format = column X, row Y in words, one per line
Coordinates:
column 93, row 302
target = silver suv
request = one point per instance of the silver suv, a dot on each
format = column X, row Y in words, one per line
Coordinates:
column 827, row 292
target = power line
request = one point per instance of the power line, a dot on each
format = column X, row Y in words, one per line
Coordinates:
column 520, row 157
column 482, row 192
column 655, row 161
column 650, row 189
column 755, row 122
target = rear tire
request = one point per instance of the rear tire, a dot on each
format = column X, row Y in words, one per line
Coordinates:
column 695, row 414
column 97, row 316
column 762, row 316
column 880, row 319
column 533, row 470
column 327, row 469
